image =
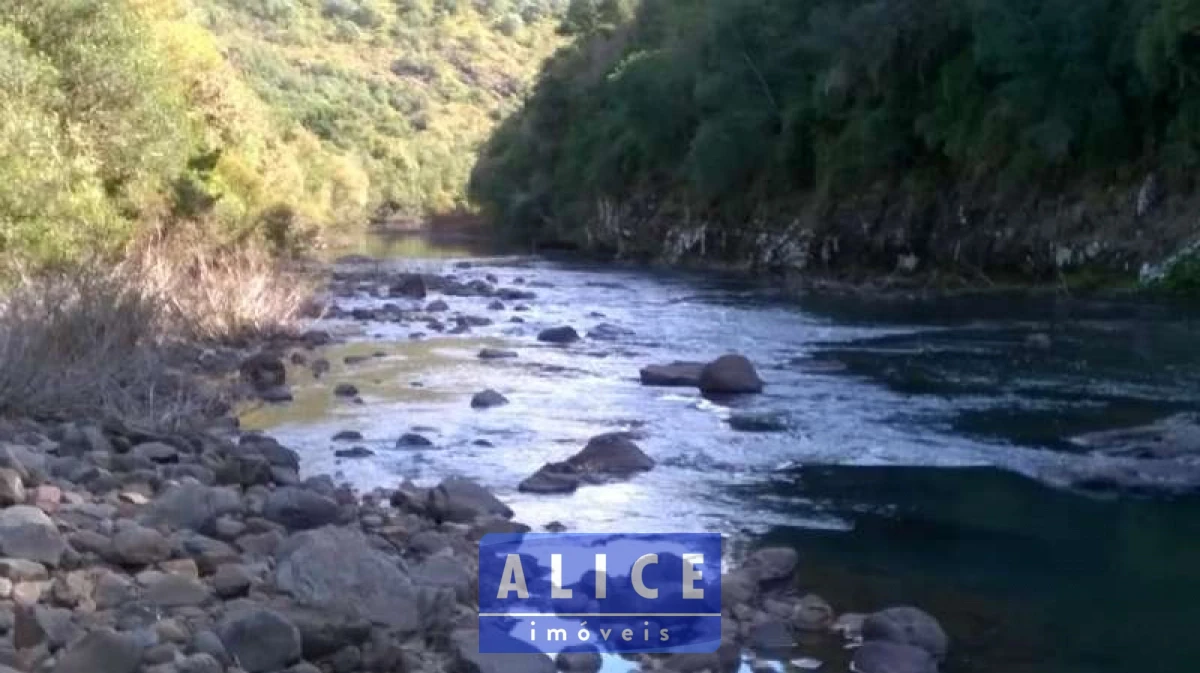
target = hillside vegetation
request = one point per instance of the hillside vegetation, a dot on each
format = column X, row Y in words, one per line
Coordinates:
column 759, row 120
column 258, row 118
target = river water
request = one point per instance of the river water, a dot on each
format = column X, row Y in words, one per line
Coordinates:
column 925, row 459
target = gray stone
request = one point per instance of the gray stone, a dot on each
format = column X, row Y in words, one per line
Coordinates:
column 232, row 580
column 354, row 452
column 496, row 354
column 411, row 440
column 264, row 371
column 21, row 570
column 582, row 659
column 676, row 374
column 758, row 422
column 464, row 500
column 612, row 453
column 730, row 374
column 908, row 626
column 887, row 657
column 158, row 452
column 300, row 509
column 445, row 572
column 208, row 553
column 338, row 569
column 139, row 546
column 112, row 590
column 812, row 613
column 173, row 591
column 487, row 399
column 260, row 641
column 201, row 663
column 558, row 335
column 348, row 436
column 345, row 390
column 12, row 487
column 27, row 533
column 772, row 639
column 551, row 478
column 102, row 651
column 193, row 506
column 208, row 642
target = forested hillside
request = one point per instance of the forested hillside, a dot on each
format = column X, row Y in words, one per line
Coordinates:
column 1029, row 134
column 276, row 117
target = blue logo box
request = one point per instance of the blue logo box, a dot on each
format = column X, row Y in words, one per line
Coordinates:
column 542, row 592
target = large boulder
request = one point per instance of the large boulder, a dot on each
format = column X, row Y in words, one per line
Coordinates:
column 468, row 658
column 612, row 453
column 907, row 626
column 191, row 506
column 730, row 374
column 264, row 371
column 337, row 569
column 559, row 335
column 552, row 478
column 300, row 509
column 886, row 657
column 676, row 374
column 464, row 500
column 27, row 533
column 260, row 641
column 771, row 564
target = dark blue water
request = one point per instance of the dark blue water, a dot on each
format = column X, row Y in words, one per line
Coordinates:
column 926, row 459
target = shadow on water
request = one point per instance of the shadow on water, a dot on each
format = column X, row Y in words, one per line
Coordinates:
column 1024, row 577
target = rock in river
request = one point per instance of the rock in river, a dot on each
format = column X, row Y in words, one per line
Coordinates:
column 730, row 374
column 907, row 626
column 559, row 335
column 463, row 500
column 609, row 455
column 679, row 374
column 264, row 371
column 758, row 422
column 496, row 354
column 487, row 399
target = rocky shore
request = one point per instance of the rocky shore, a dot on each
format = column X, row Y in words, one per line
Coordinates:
column 205, row 551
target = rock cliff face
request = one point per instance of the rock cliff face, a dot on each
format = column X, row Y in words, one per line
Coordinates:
column 979, row 238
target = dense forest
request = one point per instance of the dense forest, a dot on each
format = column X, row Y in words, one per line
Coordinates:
column 741, row 128
column 247, row 117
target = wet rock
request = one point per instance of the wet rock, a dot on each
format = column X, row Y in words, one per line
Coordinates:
column 555, row 527
column 552, row 478
column 513, row 294
column 12, row 488
column 763, row 421
column 102, row 651
column 300, row 509
column 348, row 436
column 261, row 641
column 487, row 399
column 411, row 285
column 771, row 564
column 889, row 657
column 558, row 335
column 730, row 374
column 908, row 626
column 612, row 453
column 351, row 360
column 21, row 570
column 345, row 390
column 27, row 533
column 445, row 572
column 411, row 440
column 496, row 354
column 676, row 374
column 337, row 569
column 264, row 371
column 354, row 452
column 812, row 613
column 437, row 306
column 463, row 500
column 496, row 305
column 139, row 546
column 314, row 338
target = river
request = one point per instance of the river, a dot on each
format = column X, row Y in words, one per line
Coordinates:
column 925, row 458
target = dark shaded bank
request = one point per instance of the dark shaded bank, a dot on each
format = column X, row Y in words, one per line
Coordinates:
column 986, row 140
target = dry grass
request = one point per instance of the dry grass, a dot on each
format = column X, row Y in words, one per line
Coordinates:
column 96, row 342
